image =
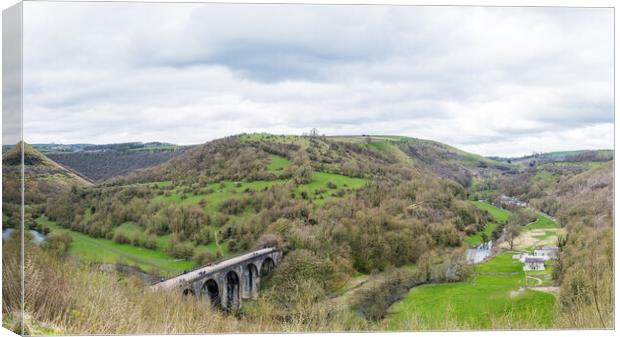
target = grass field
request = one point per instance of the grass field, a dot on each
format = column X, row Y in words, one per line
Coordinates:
column 320, row 180
column 107, row 251
column 498, row 215
column 390, row 148
column 476, row 239
column 278, row 164
column 542, row 232
column 490, row 296
column 542, row 222
column 221, row 191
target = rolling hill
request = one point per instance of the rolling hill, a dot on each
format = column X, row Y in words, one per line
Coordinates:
column 42, row 177
column 101, row 162
column 442, row 159
column 342, row 209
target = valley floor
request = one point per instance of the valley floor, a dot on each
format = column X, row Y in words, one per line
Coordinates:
column 499, row 294
column 494, row 297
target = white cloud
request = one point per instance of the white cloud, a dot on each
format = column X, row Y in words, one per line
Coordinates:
column 496, row 81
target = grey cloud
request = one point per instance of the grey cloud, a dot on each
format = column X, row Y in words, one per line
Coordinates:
column 188, row 73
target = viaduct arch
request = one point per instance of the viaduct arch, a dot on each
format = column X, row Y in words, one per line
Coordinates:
column 227, row 283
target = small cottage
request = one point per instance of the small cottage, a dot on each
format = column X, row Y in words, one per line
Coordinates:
column 534, row 263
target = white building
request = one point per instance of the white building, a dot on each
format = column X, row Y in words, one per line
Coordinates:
column 546, row 252
column 504, row 199
column 533, row 263
column 521, row 257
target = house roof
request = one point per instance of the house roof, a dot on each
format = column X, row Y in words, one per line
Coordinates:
column 534, row 259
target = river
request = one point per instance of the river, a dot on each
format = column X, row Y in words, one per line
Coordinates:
column 477, row 255
column 37, row 237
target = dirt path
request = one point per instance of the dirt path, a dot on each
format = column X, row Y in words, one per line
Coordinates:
column 555, row 291
column 352, row 286
column 539, row 282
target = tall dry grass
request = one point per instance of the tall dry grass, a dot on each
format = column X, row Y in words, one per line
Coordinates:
column 61, row 296
column 64, row 297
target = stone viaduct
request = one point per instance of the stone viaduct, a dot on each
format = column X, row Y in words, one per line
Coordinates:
column 227, row 282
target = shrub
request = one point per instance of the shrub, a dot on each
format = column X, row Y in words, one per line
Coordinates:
column 179, row 249
column 151, row 242
column 202, row 258
column 332, row 185
column 120, row 237
column 374, row 301
column 58, row 243
column 302, row 266
column 137, row 241
column 232, row 206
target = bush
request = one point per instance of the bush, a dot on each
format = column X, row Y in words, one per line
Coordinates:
column 374, row 301
column 184, row 250
column 332, row 185
column 151, row 242
column 232, row 206
column 120, row 237
column 58, row 243
column 178, row 249
column 137, row 241
column 203, row 258
column 303, row 266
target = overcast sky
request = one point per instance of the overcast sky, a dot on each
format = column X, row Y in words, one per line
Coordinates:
column 494, row 81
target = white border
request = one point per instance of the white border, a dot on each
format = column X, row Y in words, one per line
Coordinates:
column 518, row 3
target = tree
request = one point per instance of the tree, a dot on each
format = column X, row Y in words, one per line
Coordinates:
column 484, row 237
column 511, row 231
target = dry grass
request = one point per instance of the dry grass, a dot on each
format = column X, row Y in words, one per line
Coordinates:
column 73, row 300
column 62, row 297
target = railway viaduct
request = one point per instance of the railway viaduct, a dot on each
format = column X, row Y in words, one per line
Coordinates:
column 227, row 282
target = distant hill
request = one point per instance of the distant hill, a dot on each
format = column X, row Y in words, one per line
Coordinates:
column 442, row 159
column 101, row 162
column 349, row 155
column 42, row 176
column 586, row 198
column 560, row 156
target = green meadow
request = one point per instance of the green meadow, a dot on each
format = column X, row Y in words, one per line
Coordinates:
column 498, row 215
column 491, row 296
column 221, row 191
column 476, row 239
column 542, row 222
column 91, row 249
column 320, row 183
column 278, row 164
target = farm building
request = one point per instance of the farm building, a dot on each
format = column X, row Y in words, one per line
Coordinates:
column 510, row 201
column 546, row 252
column 534, row 263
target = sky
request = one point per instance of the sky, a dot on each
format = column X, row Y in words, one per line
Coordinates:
column 493, row 81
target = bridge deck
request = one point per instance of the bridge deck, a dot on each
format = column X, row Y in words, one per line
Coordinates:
column 208, row 269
